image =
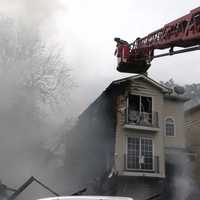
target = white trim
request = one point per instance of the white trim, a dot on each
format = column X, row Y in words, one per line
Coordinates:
column 141, row 174
column 89, row 197
column 144, row 128
column 170, row 117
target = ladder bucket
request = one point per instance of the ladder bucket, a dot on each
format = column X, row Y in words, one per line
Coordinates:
column 136, row 67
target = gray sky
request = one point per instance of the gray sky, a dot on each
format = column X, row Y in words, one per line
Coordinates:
column 85, row 30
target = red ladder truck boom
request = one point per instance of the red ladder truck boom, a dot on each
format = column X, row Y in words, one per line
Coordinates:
column 183, row 32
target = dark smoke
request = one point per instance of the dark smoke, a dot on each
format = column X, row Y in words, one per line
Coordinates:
column 90, row 147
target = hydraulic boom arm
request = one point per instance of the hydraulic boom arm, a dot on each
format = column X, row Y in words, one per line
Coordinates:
column 183, row 32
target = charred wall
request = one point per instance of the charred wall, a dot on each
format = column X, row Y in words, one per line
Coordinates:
column 90, row 145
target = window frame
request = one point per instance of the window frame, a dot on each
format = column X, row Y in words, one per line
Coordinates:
column 153, row 154
column 140, row 97
column 140, row 100
column 165, row 126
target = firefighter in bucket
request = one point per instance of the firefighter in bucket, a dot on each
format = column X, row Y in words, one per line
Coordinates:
column 122, row 50
column 129, row 60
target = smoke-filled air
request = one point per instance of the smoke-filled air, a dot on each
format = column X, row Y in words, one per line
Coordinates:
column 56, row 60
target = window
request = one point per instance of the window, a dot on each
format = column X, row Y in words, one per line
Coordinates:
column 139, row 109
column 139, row 154
column 169, row 127
column 140, row 103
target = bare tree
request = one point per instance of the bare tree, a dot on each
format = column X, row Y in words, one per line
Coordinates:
column 26, row 61
column 33, row 77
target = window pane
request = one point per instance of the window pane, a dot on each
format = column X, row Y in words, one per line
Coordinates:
column 134, row 102
column 146, row 104
column 140, row 154
column 133, row 153
column 169, row 127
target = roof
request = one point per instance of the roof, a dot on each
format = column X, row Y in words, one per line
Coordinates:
column 168, row 92
column 163, row 88
column 176, row 97
column 192, row 104
column 116, row 85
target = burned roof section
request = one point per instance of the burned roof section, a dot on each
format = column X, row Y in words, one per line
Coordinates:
column 127, row 80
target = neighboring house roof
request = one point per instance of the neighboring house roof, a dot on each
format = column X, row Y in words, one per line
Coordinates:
column 192, row 104
column 176, row 97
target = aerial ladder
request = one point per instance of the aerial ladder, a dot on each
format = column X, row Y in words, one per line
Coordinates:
column 183, row 32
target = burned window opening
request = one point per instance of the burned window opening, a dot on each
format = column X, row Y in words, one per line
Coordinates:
column 139, row 110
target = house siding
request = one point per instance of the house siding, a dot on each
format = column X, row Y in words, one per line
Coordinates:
column 174, row 110
column 192, row 127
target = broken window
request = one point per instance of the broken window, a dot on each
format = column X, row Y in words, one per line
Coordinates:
column 146, row 104
column 134, row 102
column 140, row 110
